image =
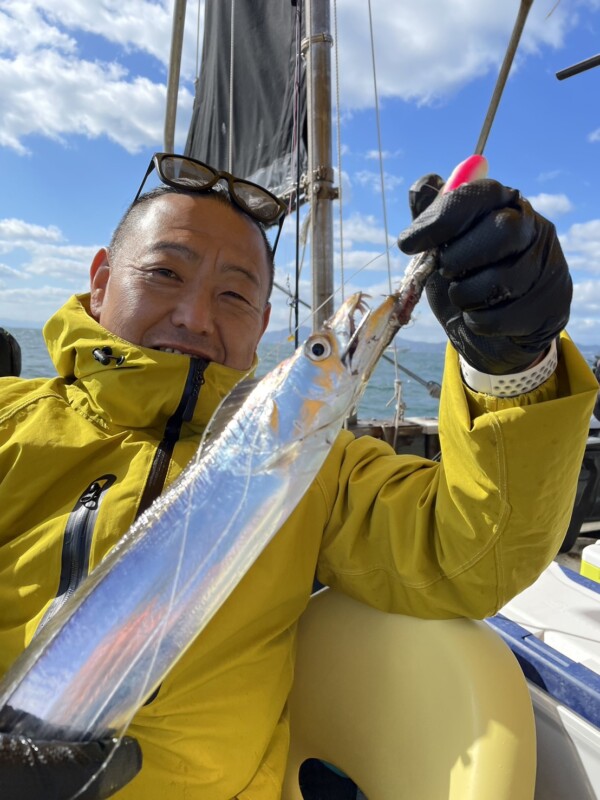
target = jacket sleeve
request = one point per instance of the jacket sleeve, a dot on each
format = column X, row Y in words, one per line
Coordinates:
column 463, row 536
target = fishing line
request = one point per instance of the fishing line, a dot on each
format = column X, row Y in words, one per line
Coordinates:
column 275, row 346
column 353, row 275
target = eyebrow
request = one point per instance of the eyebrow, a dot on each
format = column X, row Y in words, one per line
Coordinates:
column 191, row 255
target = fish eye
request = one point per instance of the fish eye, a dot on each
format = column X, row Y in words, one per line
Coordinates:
column 318, row 348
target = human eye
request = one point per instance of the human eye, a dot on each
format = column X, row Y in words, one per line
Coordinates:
column 243, row 298
column 161, row 273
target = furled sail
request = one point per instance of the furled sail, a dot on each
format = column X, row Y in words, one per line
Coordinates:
column 245, row 117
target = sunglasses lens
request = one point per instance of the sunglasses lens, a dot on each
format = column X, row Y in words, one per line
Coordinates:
column 193, row 175
column 259, row 203
column 176, row 170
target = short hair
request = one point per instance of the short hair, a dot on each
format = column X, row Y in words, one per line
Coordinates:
column 126, row 226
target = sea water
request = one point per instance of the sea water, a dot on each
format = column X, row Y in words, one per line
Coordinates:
column 379, row 400
column 426, row 361
column 389, row 380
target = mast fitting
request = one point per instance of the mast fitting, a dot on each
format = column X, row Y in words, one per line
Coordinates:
column 316, row 38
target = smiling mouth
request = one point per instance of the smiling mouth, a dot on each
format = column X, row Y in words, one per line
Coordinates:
column 177, row 352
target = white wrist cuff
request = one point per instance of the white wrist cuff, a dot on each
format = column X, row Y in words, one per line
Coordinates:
column 513, row 384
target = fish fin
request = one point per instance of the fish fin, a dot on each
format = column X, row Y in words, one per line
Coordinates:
column 225, row 412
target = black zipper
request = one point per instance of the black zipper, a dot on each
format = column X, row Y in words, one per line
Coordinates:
column 77, row 539
column 183, row 413
column 80, row 525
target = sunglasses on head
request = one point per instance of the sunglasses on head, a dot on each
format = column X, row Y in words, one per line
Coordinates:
column 182, row 172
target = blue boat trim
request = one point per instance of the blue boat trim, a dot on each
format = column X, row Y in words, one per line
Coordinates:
column 581, row 579
column 567, row 681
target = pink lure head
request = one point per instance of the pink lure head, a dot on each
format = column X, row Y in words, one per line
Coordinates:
column 471, row 169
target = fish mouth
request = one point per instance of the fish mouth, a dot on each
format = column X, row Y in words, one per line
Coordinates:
column 347, row 323
column 363, row 332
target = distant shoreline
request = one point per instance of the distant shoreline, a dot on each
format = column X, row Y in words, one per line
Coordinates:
column 280, row 337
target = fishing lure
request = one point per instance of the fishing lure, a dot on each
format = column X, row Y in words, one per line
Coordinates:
column 421, row 266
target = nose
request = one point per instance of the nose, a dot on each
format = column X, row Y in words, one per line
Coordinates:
column 194, row 312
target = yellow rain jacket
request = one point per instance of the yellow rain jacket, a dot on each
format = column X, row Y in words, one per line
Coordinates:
column 82, row 453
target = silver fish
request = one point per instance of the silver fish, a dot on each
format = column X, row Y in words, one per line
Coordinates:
column 97, row 660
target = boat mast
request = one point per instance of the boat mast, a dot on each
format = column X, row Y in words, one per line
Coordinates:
column 320, row 187
column 173, row 75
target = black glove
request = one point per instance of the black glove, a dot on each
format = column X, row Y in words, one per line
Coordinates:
column 40, row 770
column 502, row 289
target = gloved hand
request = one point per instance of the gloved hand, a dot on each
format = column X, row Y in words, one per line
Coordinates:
column 40, row 770
column 502, row 290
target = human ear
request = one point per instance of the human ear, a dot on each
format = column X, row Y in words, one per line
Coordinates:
column 266, row 318
column 99, row 275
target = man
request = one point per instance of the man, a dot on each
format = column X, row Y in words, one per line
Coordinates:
column 177, row 306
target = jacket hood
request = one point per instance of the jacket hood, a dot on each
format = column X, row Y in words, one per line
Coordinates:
column 138, row 387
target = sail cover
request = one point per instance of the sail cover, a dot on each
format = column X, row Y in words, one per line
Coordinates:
column 244, row 115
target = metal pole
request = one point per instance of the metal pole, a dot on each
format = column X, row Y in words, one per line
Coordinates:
column 582, row 66
column 174, row 71
column 320, row 187
column 503, row 75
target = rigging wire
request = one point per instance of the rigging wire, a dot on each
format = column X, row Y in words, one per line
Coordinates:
column 231, row 65
column 309, row 107
column 399, row 415
column 339, row 145
column 198, row 45
column 297, row 139
column 379, row 149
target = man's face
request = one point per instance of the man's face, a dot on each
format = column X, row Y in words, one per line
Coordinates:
column 194, row 278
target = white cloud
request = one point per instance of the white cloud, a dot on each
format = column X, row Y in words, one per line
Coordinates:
column 53, row 86
column 36, row 250
column 586, row 298
column 372, row 180
column 58, row 96
column 357, row 261
column 550, row 175
column 365, row 229
column 32, row 306
column 585, row 313
column 374, row 155
column 11, row 272
column 14, row 231
column 551, row 205
column 49, row 87
column 581, row 244
column 427, row 51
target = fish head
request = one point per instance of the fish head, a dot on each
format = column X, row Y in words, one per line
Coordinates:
column 315, row 390
column 363, row 333
column 339, row 359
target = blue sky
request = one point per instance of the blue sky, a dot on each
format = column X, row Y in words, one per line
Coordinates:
column 83, row 88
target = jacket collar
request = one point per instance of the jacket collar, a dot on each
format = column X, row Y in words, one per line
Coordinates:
column 143, row 390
